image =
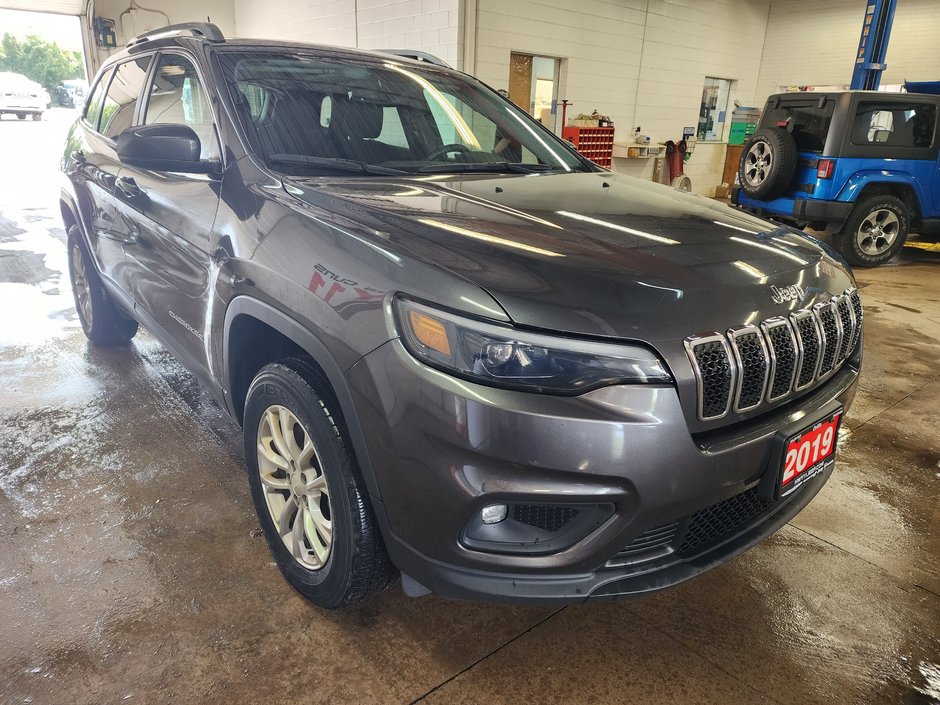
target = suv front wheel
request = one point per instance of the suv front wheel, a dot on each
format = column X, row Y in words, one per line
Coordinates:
column 307, row 489
column 874, row 232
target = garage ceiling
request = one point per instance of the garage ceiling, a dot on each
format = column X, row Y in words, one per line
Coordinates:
column 59, row 7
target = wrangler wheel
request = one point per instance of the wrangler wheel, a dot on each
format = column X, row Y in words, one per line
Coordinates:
column 874, row 232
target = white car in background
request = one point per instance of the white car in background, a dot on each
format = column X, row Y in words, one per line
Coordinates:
column 21, row 96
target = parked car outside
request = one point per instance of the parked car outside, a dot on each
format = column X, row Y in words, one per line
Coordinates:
column 458, row 349
column 22, row 97
column 862, row 165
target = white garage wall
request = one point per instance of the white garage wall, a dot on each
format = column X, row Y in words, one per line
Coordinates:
column 643, row 62
column 136, row 21
column 316, row 21
column 428, row 25
column 599, row 41
column 828, row 34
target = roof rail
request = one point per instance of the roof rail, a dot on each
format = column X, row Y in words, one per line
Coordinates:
column 416, row 55
column 200, row 30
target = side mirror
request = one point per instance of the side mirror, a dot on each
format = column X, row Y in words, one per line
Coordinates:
column 166, row 147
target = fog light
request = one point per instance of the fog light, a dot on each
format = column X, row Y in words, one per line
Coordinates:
column 493, row 514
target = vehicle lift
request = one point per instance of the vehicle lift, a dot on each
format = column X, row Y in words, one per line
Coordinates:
column 873, row 45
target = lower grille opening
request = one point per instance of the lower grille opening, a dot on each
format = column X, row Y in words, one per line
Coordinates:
column 544, row 516
column 719, row 521
column 693, row 534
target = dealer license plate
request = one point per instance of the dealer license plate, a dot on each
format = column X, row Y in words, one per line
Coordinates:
column 809, row 452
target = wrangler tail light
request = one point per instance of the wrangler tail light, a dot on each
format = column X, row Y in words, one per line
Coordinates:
column 824, row 168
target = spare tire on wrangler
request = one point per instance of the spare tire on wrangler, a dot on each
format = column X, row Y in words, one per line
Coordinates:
column 768, row 163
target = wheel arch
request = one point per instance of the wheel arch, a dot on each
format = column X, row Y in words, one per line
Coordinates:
column 245, row 319
column 72, row 215
column 902, row 186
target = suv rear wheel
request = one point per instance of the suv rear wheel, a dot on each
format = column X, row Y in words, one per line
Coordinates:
column 307, row 488
column 103, row 323
column 875, row 231
column 768, row 163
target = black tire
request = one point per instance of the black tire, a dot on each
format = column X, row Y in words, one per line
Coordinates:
column 104, row 323
column 37, row 116
column 768, row 163
column 357, row 564
column 861, row 241
column 21, row 116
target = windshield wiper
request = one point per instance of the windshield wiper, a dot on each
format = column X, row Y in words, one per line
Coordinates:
column 328, row 163
column 486, row 168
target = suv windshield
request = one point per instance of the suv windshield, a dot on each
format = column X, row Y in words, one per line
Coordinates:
column 805, row 120
column 310, row 114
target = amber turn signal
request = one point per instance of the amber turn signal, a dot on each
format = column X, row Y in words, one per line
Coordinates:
column 430, row 332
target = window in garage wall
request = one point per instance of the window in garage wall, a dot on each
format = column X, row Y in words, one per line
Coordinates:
column 713, row 113
column 533, row 86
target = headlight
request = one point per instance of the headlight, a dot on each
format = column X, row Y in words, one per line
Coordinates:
column 502, row 356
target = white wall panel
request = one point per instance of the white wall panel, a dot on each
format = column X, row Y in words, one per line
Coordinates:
column 643, row 63
column 427, row 25
column 814, row 43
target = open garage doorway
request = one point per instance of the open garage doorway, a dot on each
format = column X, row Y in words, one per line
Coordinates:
column 44, row 84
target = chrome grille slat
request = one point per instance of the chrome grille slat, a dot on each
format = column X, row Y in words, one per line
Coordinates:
column 784, row 356
column 764, row 363
column 808, row 340
column 751, row 358
column 831, row 329
column 715, row 374
column 847, row 317
column 858, row 316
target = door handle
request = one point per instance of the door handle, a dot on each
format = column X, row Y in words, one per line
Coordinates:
column 78, row 156
column 127, row 186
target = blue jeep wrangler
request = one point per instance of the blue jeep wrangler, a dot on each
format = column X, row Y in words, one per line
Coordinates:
column 861, row 165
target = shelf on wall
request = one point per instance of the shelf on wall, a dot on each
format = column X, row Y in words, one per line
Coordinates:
column 639, row 151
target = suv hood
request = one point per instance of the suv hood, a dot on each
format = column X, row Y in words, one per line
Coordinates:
column 598, row 254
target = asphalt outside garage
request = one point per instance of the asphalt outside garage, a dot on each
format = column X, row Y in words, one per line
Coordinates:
column 132, row 568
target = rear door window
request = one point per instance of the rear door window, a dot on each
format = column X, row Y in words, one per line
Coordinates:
column 123, row 93
column 806, row 120
column 93, row 106
column 893, row 124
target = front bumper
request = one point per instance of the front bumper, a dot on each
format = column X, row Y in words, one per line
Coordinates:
column 828, row 215
column 441, row 449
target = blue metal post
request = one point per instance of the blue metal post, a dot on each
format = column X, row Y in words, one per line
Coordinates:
column 873, row 45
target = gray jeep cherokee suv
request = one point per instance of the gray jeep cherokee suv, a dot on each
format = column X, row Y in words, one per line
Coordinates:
column 458, row 349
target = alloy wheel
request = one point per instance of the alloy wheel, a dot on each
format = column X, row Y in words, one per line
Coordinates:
column 295, row 488
column 80, row 282
column 878, row 231
column 757, row 163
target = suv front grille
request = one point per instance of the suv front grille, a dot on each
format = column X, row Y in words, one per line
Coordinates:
column 755, row 365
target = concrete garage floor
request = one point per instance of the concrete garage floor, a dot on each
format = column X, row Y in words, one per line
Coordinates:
column 132, row 568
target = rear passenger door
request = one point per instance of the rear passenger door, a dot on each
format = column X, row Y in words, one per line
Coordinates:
column 93, row 164
column 117, row 114
column 171, row 215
